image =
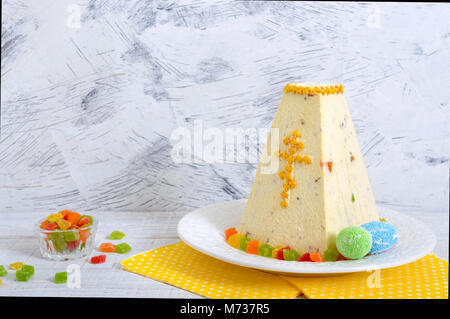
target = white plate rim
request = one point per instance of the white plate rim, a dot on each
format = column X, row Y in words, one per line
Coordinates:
column 224, row 252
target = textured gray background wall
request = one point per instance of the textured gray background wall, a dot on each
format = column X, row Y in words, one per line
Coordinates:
column 88, row 112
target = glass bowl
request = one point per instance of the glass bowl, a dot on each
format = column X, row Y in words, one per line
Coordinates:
column 67, row 244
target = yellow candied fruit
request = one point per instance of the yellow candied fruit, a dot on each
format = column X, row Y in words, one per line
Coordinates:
column 284, row 194
column 275, row 251
column 298, row 158
column 54, row 217
column 63, row 224
column 16, row 266
column 286, row 140
column 284, row 203
column 282, row 174
column 306, row 160
column 284, row 155
column 296, row 134
column 235, row 240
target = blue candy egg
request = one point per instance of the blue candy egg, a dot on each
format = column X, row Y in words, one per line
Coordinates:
column 384, row 236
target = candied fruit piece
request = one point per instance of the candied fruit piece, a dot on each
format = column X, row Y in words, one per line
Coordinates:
column 280, row 254
column 71, row 235
column 235, row 240
column 265, row 250
column 123, row 248
column 28, row 268
column 61, row 277
column 316, row 257
column 22, row 275
column 85, row 221
column 107, row 248
column 54, row 217
column 43, row 224
column 340, row 257
column 3, row 271
column 72, row 217
column 16, row 265
column 100, row 259
column 252, row 247
column 116, row 235
column 84, row 235
column 51, row 226
column 243, row 243
column 330, row 255
column 72, row 245
column 305, row 257
column 290, row 254
column 275, row 251
column 229, row 232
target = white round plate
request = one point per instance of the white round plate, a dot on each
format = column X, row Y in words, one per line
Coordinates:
column 203, row 230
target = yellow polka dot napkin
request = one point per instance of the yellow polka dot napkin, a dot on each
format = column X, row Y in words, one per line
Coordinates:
column 186, row 268
column 181, row 266
column 426, row 278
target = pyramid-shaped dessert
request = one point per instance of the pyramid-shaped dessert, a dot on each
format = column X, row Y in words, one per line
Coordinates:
column 320, row 184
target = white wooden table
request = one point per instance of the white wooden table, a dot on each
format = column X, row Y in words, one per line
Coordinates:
column 145, row 231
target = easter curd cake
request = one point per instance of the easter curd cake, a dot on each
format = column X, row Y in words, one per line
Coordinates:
column 319, row 185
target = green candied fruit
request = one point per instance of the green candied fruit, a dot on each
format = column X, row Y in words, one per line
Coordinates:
column 22, row 275
column 61, row 277
column 56, row 236
column 330, row 255
column 29, row 269
column 123, row 248
column 60, row 244
column 71, row 235
column 291, row 254
column 265, row 250
column 58, row 240
column 3, row 271
column 243, row 243
column 115, row 235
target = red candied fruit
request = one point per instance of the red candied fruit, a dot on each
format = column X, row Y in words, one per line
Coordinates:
column 305, row 257
column 340, row 257
column 73, row 244
column 280, row 255
column 51, row 226
column 98, row 259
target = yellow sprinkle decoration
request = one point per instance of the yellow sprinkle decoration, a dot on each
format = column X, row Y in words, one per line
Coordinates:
column 16, row 266
column 306, row 90
column 294, row 146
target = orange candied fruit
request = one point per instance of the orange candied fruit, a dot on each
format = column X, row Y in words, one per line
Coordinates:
column 229, row 232
column 43, row 224
column 252, row 247
column 316, row 257
column 107, row 248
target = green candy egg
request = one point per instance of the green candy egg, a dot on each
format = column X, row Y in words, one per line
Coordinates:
column 354, row 242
